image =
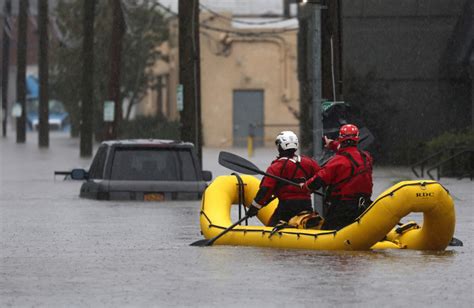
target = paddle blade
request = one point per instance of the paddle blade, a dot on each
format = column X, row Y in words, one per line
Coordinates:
column 455, row 242
column 237, row 163
column 201, row 243
column 366, row 138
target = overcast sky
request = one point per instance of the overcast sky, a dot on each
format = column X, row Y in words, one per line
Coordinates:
column 254, row 7
column 237, row 6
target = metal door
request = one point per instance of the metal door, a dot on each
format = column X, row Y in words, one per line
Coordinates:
column 247, row 117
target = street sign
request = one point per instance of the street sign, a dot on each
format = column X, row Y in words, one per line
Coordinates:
column 16, row 111
column 328, row 104
column 179, row 97
column 109, row 111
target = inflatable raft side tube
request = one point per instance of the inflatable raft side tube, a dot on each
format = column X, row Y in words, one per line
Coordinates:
column 379, row 219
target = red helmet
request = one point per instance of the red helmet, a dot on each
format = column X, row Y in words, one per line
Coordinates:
column 348, row 132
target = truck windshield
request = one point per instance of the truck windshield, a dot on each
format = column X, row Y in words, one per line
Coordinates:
column 153, row 164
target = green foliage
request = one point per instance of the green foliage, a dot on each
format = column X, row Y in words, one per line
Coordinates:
column 463, row 138
column 451, row 143
column 146, row 30
column 149, row 127
column 446, row 145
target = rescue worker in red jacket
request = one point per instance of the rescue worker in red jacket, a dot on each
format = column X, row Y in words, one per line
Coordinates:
column 292, row 199
column 347, row 179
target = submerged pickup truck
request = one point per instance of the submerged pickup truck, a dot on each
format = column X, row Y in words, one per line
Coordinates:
column 143, row 169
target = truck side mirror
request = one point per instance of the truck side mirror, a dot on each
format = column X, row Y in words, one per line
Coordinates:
column 206, row 175
column 79, row 174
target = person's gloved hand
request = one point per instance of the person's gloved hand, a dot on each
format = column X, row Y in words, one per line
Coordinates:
column 327, row 141
column 253, row 209
column 304, row 188
column 331, row 144
column 312, row 184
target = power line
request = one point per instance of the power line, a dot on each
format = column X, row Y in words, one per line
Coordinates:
column 167, row 9
column 255, row 23
column 248, row 33
column 242, row 33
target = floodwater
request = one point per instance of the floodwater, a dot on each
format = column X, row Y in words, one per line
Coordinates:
column 60, row 250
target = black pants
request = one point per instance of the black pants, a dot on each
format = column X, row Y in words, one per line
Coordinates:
column 340, row 213
column 289, row 208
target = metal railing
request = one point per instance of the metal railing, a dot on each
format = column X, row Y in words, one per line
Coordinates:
column 451, row 159
column 423, row 163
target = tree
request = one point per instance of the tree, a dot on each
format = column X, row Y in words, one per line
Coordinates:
column 145, row 30
column 21, row 71
column 43, row 133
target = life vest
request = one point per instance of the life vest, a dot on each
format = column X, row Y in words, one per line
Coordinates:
column 357, row 184
column 297, row 161
column 297, row 169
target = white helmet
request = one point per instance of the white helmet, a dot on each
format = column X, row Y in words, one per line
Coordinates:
column 287, row 140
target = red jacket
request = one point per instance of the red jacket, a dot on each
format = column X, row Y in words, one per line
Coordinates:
column 297, row 169
column 347, row 174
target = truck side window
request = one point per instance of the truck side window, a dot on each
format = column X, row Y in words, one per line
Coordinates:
column 188, row 170
column 96, row 170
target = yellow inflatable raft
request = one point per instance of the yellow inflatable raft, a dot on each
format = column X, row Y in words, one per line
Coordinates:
column 376, row 228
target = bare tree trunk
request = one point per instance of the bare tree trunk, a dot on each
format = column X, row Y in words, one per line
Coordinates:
column 87, row 107
column 5, row 64
column 43, row 133
column 159, row 96
column 131, row 102
column 21, row 71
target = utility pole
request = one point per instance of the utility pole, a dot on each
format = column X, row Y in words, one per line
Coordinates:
column 314, row 64
column 118, row 31
column 21, row 71
column 331, row 57
column 189, row 72
column 306, row 125
column 87, row 96
column 6, row 63
column 309, row 14
column 43, row 133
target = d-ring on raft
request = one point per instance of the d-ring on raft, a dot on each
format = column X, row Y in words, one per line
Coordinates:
column 376, row 228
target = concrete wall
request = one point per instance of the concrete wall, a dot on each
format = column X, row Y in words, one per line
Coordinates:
column 264, row 63
column 404, row 43
column 232, row 62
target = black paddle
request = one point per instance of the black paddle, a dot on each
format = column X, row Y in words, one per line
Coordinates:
column 455, row 242
column 239, row 164
column 211, row 241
